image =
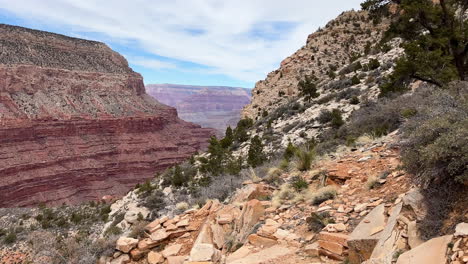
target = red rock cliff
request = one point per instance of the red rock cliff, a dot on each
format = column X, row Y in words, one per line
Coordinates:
column 76, row 123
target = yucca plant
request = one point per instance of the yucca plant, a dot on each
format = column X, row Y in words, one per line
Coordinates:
column 304, row 159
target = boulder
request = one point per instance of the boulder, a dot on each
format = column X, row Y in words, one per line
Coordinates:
column 461, row 229
column 414, row 200
column 159, row 235
column 261, row 242
column 249, row 192
column 386, row 246
column 155, row 258
column 250, row 216
column 125, row 244
column 365, row 236
column 171, row 250
column 414, row 239
column 204, row 252
column 430, row 252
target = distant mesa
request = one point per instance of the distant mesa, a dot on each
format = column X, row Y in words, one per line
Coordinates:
column 209, row 106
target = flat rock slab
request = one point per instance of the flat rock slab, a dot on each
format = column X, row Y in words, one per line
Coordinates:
column 430, row 252
column 365, row 236
column 263, row 256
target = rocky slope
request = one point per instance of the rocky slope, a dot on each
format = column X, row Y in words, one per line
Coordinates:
column 208, row 106
column 267, row 223
column 77, row 123
column 328, row 49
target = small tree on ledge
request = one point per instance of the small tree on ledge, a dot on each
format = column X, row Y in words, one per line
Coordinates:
column 308, row 88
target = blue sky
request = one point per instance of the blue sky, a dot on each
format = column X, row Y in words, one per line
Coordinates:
column 196, row 42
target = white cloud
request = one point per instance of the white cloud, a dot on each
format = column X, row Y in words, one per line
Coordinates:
column 223, row 40
column 150, row 63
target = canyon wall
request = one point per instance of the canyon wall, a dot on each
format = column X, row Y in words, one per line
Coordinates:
column 209, row 106
column 76, row 123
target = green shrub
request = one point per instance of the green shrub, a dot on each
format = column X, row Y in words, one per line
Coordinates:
column 355, row 80
column 317, row 221
column 337, row 120
column 408, row 112
column 298, row 183
column 354, row 100
column 289, row 152
column 434, row 150
column 10, row 238
column 323, row 194
column 373, row 64
column 304, row 159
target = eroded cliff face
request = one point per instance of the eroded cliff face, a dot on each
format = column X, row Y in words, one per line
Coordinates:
column 328, row 49
column 76, row 123
column 208, row 106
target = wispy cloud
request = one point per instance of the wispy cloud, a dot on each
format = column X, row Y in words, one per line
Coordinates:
column 242, row 39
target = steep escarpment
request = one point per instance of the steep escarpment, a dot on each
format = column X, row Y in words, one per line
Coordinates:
column 208, row 106
column 77, row 123
column 336, row 45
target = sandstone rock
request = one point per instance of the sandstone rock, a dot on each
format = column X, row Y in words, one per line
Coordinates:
column 249, row 192
column 415, row 200
column 250, row 216
column 171, row 250
column 332, row 247
column 218, row 235
column 360, row 207
column 146, row 244
column 123, row 259
column 341, row 239
column 312, row 250
column 176, row 260
column 203, row 252
column 263, row 256
column 183, row 223
column 461, row 229
column 386, row 246
column 261, row 242
column 155, row 258
column 430, row 252
column 224, row 219
column 153, row 226
column 125, row 244
column 365, row 236
column 414, row 239
column 137, row 254
column 159, row 235
column 238, row 254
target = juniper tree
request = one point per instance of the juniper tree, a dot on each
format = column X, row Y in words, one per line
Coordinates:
column 308, row 88
column 436, row 40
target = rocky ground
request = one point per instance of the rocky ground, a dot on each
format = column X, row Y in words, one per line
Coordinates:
column 373, row 217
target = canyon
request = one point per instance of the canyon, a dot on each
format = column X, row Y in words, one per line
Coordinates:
column 209, row 106
column 77, row 124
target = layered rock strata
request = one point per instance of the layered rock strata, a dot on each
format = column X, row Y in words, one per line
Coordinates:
column 76, row 123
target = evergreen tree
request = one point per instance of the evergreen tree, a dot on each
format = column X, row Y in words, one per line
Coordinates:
column 226, row 142
column 215, row 161
column 178, row 177
column 436, row 41
column 308, row 88
column 256, row 156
